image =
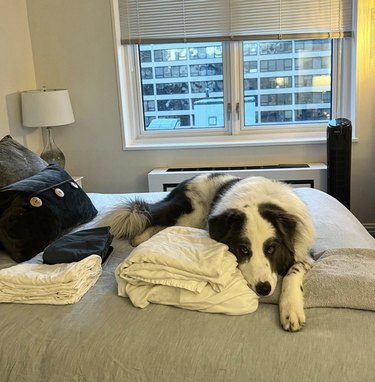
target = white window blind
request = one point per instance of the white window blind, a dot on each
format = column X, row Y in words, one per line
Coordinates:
column 158, row 21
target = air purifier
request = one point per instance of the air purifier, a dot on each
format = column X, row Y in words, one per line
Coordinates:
column 339, row 152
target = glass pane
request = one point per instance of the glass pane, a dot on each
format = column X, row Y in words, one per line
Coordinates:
column 292, row 85
column 182, row 85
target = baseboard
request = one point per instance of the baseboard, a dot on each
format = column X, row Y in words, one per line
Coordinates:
column 370, row 227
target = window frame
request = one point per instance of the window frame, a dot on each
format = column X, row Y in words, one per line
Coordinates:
column 131, row 108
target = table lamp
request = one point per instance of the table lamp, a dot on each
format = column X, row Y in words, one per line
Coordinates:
column 47, row 108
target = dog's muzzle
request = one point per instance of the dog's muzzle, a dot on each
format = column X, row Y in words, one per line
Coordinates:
column 263, row 288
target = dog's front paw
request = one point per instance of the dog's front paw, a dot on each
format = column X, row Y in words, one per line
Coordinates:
column 135, row 241
column 145, row 235
column 292, row 316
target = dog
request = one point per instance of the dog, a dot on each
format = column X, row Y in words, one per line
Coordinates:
column 263, row 222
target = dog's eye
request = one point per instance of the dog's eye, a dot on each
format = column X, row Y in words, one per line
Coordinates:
column 270, row 250
column 244, row 250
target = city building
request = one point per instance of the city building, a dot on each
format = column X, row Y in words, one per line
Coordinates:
column 283, row 82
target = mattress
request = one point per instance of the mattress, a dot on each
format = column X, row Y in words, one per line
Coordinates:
column 104, row 337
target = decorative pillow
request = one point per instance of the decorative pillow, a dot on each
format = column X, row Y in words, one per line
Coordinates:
column 17, row 162
column 37, row 210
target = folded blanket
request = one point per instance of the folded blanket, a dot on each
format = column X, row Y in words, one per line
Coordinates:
column 77, row 245
column 184, row 267
column 57, row 284
column 340, row 278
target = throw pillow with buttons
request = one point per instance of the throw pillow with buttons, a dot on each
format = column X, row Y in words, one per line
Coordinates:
column 39, row 209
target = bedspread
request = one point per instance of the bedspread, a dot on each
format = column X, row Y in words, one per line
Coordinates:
column 105, row 338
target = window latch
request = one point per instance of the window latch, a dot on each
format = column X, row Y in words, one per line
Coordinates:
column 229, row 110
column 238, row 110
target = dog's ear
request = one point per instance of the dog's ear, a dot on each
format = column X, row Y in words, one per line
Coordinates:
column 284, row 223
column 221, row 226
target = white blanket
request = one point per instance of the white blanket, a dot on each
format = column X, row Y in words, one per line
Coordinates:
column 57, row 284
column 184, row 267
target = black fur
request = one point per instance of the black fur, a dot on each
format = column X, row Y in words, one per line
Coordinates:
column 223, row 189
column 282, row 256
column 227, row 228
column 167, row 211
column 228, row 208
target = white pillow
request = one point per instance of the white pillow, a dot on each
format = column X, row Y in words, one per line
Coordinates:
column 335, row 225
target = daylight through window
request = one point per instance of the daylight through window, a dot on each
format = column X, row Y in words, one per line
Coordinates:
column 284, row 82
column 201, row 73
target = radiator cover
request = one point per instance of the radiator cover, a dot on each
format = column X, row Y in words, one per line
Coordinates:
column 298, row 175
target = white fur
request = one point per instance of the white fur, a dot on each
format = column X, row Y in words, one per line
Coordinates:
column 258, row 269
column 121, row 224
column 246, row 196
column 249, row 193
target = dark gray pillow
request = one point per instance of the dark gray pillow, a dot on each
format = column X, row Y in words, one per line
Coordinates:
column 17, row 162
column 37, row 210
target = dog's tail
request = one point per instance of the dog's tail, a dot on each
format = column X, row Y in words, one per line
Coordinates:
column 128, row 220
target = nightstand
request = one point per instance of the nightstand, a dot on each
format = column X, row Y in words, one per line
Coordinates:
column 78, row 180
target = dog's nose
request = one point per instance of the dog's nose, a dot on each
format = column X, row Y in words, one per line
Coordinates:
column 263, row 288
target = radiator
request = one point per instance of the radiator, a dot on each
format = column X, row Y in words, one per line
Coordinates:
column 298, row 175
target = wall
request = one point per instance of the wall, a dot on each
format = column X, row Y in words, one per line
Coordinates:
column 74, row 48
column 363, row 173
column 17, row 71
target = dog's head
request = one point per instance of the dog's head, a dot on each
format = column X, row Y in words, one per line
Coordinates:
column 261, row 237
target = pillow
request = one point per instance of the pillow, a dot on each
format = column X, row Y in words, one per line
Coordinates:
column 335, row 225
column 17, row 162
column 37, row 210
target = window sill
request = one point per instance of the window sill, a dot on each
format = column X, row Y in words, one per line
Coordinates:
column 224, row 141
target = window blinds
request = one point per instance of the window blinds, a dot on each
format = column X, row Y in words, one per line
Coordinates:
column 157, row 21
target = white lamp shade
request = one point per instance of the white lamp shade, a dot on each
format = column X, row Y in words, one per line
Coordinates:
column 49, row 107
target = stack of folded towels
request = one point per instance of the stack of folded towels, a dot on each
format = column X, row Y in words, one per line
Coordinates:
column 71, row 266
column 57, row 284
column 184, row 267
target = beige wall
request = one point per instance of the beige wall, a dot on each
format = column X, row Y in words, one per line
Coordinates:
column 16, row 71
column 73, row 48
column 363, row 170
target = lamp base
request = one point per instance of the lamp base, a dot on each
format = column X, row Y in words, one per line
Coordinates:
column 51, row 153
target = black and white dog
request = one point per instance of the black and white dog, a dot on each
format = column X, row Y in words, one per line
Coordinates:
column 263, row 222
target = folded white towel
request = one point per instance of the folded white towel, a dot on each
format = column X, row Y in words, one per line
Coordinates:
column 342, row 278
column 339, row 278
column 184, row 267
column 57, row 284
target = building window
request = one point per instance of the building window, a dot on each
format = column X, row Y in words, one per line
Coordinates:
column 223, row 73
column 195, row 88
column 280, row 97
column 200, row 98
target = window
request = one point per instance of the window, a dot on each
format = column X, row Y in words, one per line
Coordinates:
column 220, row 92
column 198, row 101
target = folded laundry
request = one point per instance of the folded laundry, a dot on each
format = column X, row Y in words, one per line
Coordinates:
column 339, row 278
column 78, row 245
column 57, row 284
column 184, row 267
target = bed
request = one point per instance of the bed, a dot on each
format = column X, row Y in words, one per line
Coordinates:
column 103, row 337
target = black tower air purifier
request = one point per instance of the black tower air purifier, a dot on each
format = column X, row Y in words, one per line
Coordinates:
column 339, row 152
